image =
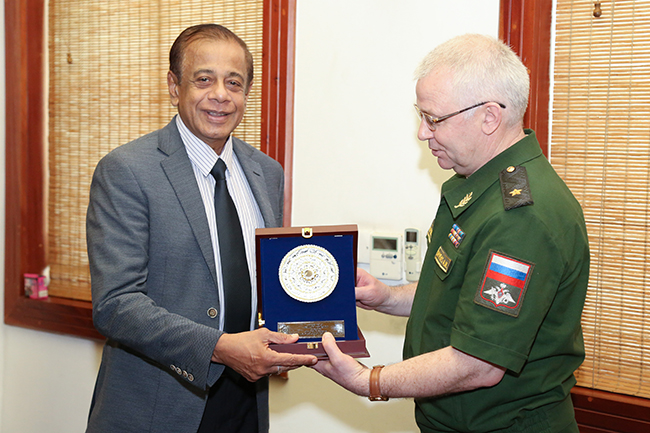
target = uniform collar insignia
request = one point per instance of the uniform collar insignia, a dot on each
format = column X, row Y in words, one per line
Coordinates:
column 464, row 201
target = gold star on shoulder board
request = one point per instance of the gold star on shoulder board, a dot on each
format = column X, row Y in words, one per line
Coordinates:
column 515, row 189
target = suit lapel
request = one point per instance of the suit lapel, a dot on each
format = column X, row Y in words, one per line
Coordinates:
column 178, row 169
column 255, row 177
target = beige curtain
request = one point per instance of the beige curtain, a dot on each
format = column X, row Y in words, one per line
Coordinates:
column 600, row 145
column 108, row 62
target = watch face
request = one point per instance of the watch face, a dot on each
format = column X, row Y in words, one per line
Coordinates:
column 309, row 273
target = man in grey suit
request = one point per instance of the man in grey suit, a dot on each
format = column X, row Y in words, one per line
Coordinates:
column 156, row 265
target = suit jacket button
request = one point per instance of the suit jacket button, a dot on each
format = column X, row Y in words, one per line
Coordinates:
column 190, row 377
column 212, row 312
column 185, row 374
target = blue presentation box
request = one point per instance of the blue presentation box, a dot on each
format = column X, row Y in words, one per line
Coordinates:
column 305, row 281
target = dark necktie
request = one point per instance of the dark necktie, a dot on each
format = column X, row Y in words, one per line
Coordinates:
column 234, row 267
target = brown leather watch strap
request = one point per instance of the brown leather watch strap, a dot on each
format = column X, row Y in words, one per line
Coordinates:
column 375, row 390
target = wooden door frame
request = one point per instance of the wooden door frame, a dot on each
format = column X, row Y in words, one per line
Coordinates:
column 525, row 25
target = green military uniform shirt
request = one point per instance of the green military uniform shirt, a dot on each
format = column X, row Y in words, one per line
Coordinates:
column 504, row 280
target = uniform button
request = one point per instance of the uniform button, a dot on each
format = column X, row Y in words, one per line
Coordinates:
column 510, row 169
column 212, row 312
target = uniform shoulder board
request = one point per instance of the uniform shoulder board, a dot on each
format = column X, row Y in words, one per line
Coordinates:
column 515, row 189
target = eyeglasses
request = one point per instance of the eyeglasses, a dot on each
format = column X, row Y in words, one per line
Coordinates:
column 432, row 122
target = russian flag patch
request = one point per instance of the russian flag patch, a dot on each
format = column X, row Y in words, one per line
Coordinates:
column 504, row 283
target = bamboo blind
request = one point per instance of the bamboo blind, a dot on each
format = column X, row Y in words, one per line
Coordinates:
column 600, row 145
column 108, row 62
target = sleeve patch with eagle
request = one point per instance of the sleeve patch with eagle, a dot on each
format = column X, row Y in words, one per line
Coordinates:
column 504, row 283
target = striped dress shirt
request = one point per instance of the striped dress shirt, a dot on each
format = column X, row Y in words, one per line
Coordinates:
column 203, row 158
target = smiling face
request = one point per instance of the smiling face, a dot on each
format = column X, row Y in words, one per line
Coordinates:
column 456, row 142
column 211, row 96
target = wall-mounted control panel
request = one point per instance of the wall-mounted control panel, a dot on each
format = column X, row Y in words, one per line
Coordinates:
column 413, row 263
column 386, row 256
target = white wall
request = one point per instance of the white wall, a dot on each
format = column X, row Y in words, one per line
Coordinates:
column 357, row 160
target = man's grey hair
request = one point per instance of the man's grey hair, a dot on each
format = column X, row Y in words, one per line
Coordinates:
column 482, row 68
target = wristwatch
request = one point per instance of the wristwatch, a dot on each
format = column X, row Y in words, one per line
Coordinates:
column 375, row 391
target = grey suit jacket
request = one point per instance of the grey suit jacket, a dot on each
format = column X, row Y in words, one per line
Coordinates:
column 154, row 280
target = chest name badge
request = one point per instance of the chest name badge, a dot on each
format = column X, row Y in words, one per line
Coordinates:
column 456, row 235
column 443, row 260
column 504, row 283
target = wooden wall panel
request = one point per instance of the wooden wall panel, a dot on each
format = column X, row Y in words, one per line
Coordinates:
column 600, row 411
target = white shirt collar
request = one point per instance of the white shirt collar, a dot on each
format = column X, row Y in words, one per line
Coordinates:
column 202, row 155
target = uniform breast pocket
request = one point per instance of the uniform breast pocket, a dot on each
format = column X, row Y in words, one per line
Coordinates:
column 444, row 261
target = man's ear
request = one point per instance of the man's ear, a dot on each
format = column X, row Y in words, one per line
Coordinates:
column 493, row 118
column 172, row 84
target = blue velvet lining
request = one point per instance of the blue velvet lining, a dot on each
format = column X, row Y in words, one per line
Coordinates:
column 278, row 306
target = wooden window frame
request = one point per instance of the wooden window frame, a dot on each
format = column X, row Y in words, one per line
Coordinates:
column 25, row 233
column 526, row 26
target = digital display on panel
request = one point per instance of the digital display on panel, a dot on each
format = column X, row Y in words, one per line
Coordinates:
column 384, row 244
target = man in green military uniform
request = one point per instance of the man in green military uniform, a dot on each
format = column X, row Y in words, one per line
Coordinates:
column 494, row 335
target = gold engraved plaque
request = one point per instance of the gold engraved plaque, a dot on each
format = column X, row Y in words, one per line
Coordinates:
column 313, row 329
column 308, row 273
